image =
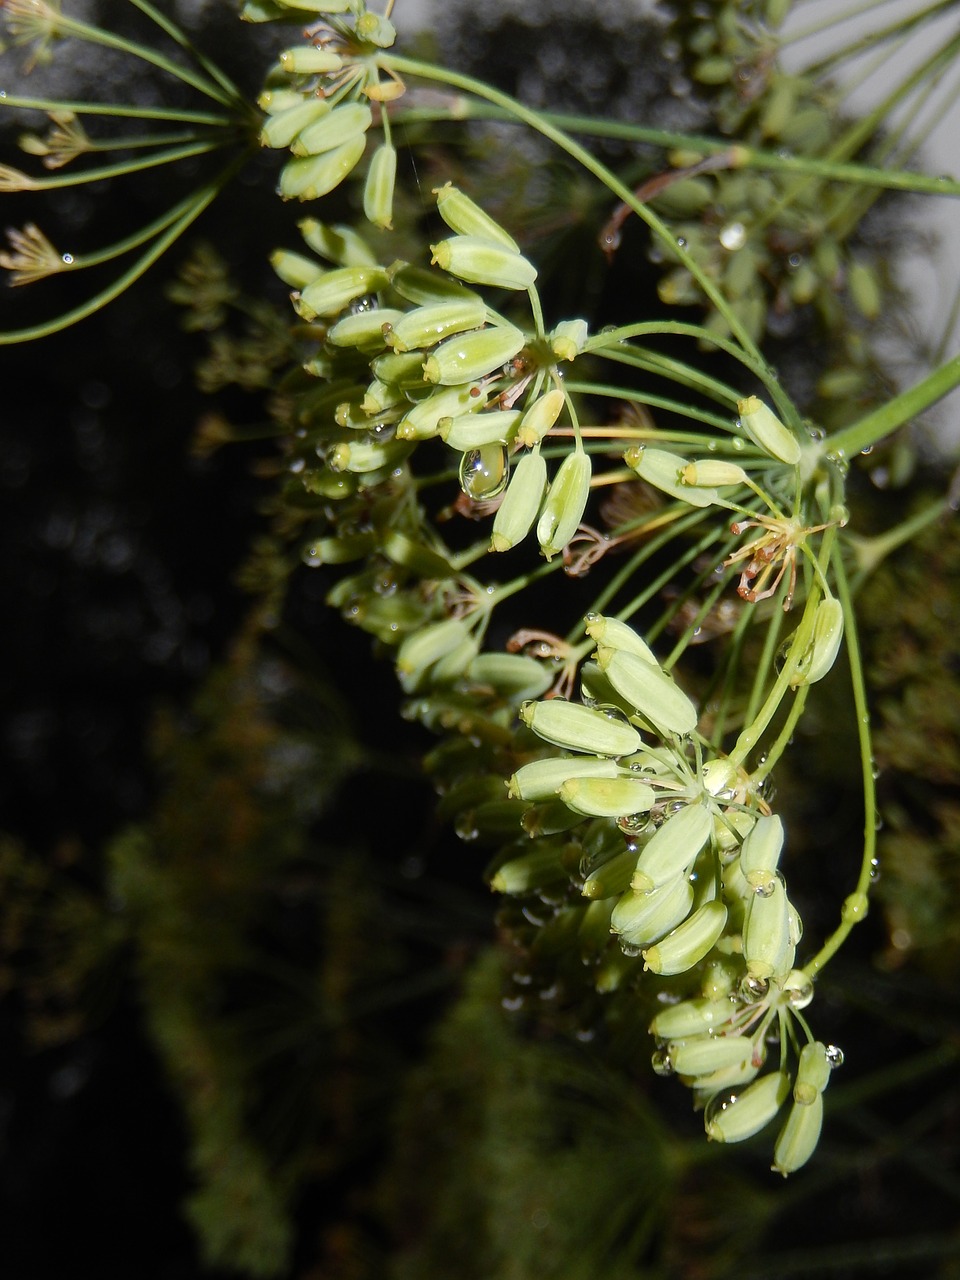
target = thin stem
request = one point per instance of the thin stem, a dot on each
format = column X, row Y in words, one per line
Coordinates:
column 110, row 109
column 180, row 38
column 869, row 553
column 871, row 429
column 674, row 370
column 657, row 402
column 120, row 247
column 120, row 169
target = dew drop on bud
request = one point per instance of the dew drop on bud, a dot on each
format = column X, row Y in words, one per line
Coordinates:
column 753, row 988
column 660, row 1061
column 717, row 1105
column 484, row 472
column 834, row 1056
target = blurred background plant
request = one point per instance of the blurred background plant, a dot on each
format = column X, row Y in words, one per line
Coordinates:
column 242, row 971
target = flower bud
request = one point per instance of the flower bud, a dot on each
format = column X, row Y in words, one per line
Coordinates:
column 641, row 918
column 429, row 644
column 295, row 269
column 607, row 797
column 282, row 127
column 664, row 470
column 307, row 60
column 579, row 728
column 766, row 932
column 463, row 215
column 480, row 262
column 474, row 430
column 767, row 431
column 673, row 848
column 313, row 176
column 702, row 1055
column 813, row 1073
column 365, row 329
column 734, row 1119
column 427, row 325
column 379, row 186
column 318, row 6
column 610, row 879
column 362, row 456
column 691, row 1018
column 542, row 779
column 533, row 870
column 611, row 633
column 423, row 419
column 336, row 289
column 512, row 675
column 539, row 417
column 799, row 1136
column 339, row 244
column 379, row 397
column 824, row 644
column 687, row 945
column 375, row 29
column 473, row 355
column 273, row 101
column 405, row 372
column 565, row 503
column 648, row 689
column 341, row 125
column 521, row 502
column 424, row 287
column 568, row 339
column 713, row 473
column 760, row 852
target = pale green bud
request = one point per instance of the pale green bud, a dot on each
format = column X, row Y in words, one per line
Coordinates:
column 405, row 372
column 339, row 244
column 423, row 287
column 480, row 262
column 336, row 289
column 428, row 325
column 664, row 470
column 539, row 417
column 799, row 1136
column 473, row 355
column 673, row 848
column 295, row 269
column 512, row 675
column 760, row 853
column 338, row 550
column 429, row 644
column 361, row 456
column 365, row 329
column 452, row 667
column 712, row 473
column 565, row 503
column 273, row 101
column 642, row 918
column 579, row 728
column 813, row 1073
column 380, row 397
column 375, row 29
column 568, row 339
column 610, row 879
column 542, row 779
column 423, row 420
column 341, row 125
column 530, row 871
column 767, row 431
column 710, row 1083
column 282, row 127
column 521, row 502
column 379, row 186
column 319, row 6
column 607, row 797
column 648, row 689
column 766, row 932
column 611, row 633
column 702, row 1055
column 310, row 177
column 865, row 290
column 824, row 645
column 691, row 1018
column 307, row 59
column 734, row 1119
column 687, row 945
column 463, row 215
column 473, row 431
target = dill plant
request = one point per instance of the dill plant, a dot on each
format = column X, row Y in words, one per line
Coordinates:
column 610, row 562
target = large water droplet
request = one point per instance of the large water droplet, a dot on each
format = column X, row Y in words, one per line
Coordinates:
column 733, row 236
column 752, row 988
column 661, row 1063
column 484, row 472
column 834, row 1056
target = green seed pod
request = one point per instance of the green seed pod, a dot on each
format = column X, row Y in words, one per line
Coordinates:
column 695, row 1017
column 295, row 269
column 548, row 818
column 282, row 127
column 338, row 244
column 473, row 355
column 521, row 502
column 569, row 338
column 712, row 473
column 687, row 945
column 307, row 60
column 824, row 645
column 734, row 1119
column 664, row 470
column 707, row 1086
column 760, row 852
column 649, row 690
column 379, row 186
column 673, row 849
column 607, row 797
column 408, row 553
column 767, row 431
column 539, row 417
column 365, row 329
column 530, row 871
column 423, row 420
column 512, row 675
column 642, row 918
column 565, row 503
column 479, row 262
column 451, row 667
column 462, row 215
column 813, row 1073
column 336, row 289
column 428, row 325
column 542, row 779
column 703, row 1055
column 611, row 878
column 799, row 1137
column 766, row 933
column 611, row 633
column 343, row 124
column 579, row 728
column 474, row 430
column 720, row 977
column 310, row 177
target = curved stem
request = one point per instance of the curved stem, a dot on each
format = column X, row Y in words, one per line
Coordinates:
column 851, row 440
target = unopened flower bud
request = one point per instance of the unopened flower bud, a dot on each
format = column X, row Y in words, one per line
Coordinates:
column 365, row 329
column 310, row 177
column 687, row 945
column 691, row 1018
column 642, row 918
column 295, row 269
column 472, row 431
column 473, row 355
column 521, row 502
column 568, row 339
column 734, row 1119
column 579, row 728
column 375, row 29
column 342, row 124
column 766, row 932
column 539, row 417
column 542, row 779
column 767, row 431
column 307, row 59
column 425, row 326
column 379, row 186
column 339, row 244
column 612, row 633
column 463, row 215
column 647, row 687
column 283, row 126
column 607, row 797
column 565, row 503
column 799, row 1136
column 664, row 471
column 712, row 473
column 702, row 1055
column 423, row 419
column 478, row 261
column 760, row 852
column 813, row 1073
column 336, row 289
column 824, row 645
column 673, row 849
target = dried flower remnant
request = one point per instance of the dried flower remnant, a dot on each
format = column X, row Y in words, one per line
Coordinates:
column 33, row 257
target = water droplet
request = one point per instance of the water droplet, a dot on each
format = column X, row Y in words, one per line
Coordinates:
column 794, row 261
column 834, row 1056
column 629, row 950
column 367, row 303
column 717, row 1105
column 874, row 869
column 799, row 990
column 733, row 236
column 67, row 259
column 752, row 988
column 484, row 472
column 712, row 447
column 466, row 827
column 660, row 1061
column 632, row 824
column 310, row 555
column 681, row 242
column 738, row 444
column 512, row 1004
column 765, row 889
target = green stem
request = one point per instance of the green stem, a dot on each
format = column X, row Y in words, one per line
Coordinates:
column 855, row 906
column 674, row 370
column 180, row 38
column 110, row 109
column 851, row 440
column 869, row 553
column 614, row 392
column 120, row 169
column 120, row 247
